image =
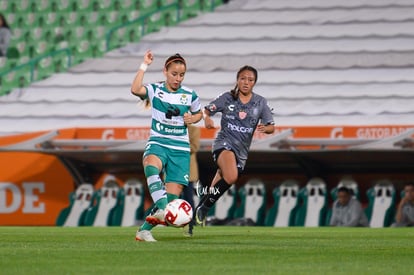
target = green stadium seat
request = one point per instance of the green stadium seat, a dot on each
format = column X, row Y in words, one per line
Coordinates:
column 4, row 6
column 253, row 202
column 36, row 33
column 51, row 19
column 30, row 20
column 381, row 206
column 72, row 19
column 43, row 6
column 80, row 201
column 43, row 47
column 13, row 53
column 130, row 207
column 45, row 68
column 64, row 6
column 146, row 6
column 349, row 183
column 313, row 205
column 134, row 14
column 127, row 5
column 104, row 202
column 283, row 211
column 99, row 49
column 23, row 6
column 83, row 51
column 190, row 8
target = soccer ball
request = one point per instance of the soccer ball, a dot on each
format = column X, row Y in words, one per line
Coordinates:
column 178, row 213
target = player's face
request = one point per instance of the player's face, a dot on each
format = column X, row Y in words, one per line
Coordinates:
column 246, row 81
column 174, row 76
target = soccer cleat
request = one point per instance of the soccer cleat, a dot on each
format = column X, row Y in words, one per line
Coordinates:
column 144, row 236
column 156, row 218
column 201, row 215
column 188, row 230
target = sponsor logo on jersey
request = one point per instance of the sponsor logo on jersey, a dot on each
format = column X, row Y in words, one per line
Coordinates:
column 239, row 129
column 167, row 130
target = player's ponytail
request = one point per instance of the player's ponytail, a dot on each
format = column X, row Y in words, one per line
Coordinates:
column 235, row 92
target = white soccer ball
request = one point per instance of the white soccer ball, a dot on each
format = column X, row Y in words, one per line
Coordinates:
column 178, row 213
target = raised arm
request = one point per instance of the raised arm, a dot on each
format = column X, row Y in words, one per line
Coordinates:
column 137, row 87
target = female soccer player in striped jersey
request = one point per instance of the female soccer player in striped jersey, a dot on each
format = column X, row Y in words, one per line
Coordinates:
column 243, row 112
column 173, row 107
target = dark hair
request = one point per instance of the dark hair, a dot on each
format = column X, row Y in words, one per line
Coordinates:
column 344, row 189
column 177, row 58
column 235, row 91
column 5, row 25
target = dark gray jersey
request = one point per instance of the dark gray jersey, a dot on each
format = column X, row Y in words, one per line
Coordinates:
column 238, row 122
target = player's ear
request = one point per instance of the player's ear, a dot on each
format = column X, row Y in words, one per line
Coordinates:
column 164, row 71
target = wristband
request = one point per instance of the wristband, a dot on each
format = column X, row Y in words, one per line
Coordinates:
column 143, row 67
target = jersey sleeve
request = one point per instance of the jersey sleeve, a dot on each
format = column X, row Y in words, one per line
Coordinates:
column 195, row 103
column 218, row 104
column 267, row 114
column 149, row 88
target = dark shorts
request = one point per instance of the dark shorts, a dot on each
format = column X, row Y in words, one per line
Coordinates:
column 217, row 152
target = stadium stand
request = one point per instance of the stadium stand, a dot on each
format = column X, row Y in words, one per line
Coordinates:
column 313, row 205
column 381, row 208
column 319, row 62
column 83, row 28
column 253, row 202
column 80, row 201
column 130, row 207
column 283, row 211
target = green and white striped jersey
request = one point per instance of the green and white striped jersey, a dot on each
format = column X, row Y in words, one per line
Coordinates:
column 168, row 108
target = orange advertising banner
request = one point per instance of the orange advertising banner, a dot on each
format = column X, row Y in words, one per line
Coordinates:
column 35, row 187
column 334, row 132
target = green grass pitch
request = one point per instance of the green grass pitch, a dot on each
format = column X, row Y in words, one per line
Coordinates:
column 212, row 250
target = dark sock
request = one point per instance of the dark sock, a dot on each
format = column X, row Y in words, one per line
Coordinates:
column 215, row 193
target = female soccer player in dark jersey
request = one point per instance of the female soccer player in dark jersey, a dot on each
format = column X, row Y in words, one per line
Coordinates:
column 173, row 107
column 243, row 112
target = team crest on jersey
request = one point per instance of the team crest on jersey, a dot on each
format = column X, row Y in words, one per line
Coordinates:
column 183, row 99
column 242, row 114
column 211, row 107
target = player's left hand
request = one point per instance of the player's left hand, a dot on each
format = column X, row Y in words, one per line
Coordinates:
column 188, row 118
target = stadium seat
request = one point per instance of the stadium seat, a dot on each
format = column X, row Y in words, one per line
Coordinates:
column 146, row 6
column 348, row 182
column 104, row 202
column 283, row 211
column 312, row 211
column 23, row 6
column 381, row 206
column 130, row 207
column 253, row 202
column 13, row 52
column 80, row 201
column 45, row 68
